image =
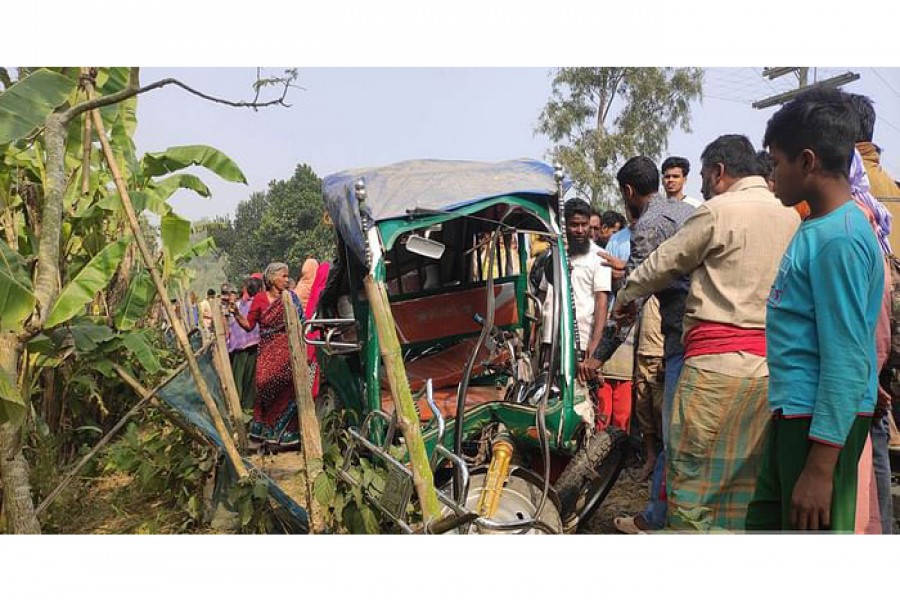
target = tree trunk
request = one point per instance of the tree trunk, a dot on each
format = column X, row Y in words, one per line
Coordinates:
column 18, row 505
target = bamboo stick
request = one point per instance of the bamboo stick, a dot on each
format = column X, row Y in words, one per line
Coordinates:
column 310, row 434
column 180, row 334
column 226, row 376
column 408, row 418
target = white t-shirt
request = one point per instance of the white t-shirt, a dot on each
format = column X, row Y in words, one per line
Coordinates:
column 588, row 275
column 692, row 201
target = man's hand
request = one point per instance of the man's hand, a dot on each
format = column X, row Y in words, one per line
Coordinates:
column 616, row 264
column 811, row 498
column 624, row 314
column 587, row 370
column 883, row 404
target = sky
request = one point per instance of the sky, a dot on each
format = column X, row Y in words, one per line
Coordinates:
column 354, row 117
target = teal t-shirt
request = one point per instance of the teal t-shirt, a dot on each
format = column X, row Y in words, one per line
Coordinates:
column 820, row 323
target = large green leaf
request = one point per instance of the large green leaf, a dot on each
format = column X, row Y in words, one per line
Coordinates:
column 180, row 157
column 12, row 406
column 91, row 279
column 141, row 292
column 140, row 346
column 16, row 295
column 201, row 248
column 87, row 335
column 158, row 192
column 176, row 235
column 25, row 105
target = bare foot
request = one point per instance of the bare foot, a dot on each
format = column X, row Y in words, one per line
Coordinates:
column 646, row 470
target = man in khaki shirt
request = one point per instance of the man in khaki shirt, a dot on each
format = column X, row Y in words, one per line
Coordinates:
column 731, row 247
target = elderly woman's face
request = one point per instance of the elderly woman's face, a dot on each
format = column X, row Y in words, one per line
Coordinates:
column 280, row 280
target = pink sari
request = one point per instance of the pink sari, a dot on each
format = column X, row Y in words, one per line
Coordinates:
column 309, row 310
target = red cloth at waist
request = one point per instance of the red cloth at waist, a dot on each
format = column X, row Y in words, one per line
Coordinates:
column 719, row 338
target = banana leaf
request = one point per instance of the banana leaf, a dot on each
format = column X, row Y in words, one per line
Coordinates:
column 92, row 278
column 137, row 301
column 25, row 106
column 157, row 192
column 176, row 235
column 140, row 346
column 12, row 406
column 180, row 157
column 16, row 293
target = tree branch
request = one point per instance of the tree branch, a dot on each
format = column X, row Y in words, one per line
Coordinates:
column 133, row 90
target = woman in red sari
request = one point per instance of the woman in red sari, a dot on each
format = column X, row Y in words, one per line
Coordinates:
column 274, row 422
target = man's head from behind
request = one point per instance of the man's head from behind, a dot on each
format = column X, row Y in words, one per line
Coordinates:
column 725, row 160
column 578, row 225
column 811, row 139
column 865, row 116
column 675, row 170
column 638, row 181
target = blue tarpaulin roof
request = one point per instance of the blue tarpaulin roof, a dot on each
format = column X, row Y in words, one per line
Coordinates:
column 429, row 185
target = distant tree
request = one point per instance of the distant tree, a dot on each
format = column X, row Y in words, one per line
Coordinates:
column 601, row 116
column 284, row 223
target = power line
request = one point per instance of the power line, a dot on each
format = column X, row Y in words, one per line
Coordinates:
column 884, row 81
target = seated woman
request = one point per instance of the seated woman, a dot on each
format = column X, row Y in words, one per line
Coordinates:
column 274, row 424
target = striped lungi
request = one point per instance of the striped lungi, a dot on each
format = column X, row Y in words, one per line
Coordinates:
column 715, row 448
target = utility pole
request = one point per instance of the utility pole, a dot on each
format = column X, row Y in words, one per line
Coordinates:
column 802, row 84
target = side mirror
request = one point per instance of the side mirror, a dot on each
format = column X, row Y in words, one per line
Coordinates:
column 425, row 247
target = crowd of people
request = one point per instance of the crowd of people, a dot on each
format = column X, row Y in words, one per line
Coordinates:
column 754, row 333
column 752, row 339
column 258, row 348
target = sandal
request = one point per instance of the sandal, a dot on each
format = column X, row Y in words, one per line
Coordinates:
column 627, row 525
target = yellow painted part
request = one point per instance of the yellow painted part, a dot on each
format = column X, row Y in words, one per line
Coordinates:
column 497, row 475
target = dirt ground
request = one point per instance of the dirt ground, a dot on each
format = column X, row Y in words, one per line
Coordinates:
column 627, row 497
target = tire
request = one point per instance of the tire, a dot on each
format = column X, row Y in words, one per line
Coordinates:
column 589, row 476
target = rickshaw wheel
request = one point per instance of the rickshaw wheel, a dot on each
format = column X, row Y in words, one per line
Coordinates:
column 589, row 477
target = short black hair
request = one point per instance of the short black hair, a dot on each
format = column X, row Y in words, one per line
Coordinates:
column 611, row 217
column 764, row 164
column 254, row 285
column 735, row 152
column 865, row 115
column 210, row 292
column 676, row 162
column 577, row 206
column 640, row 173
column 821, row 120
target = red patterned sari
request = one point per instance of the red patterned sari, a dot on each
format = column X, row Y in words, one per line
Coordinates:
column 275, row 411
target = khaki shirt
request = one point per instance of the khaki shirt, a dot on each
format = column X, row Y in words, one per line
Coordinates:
column 650, row 342
column 731, row 247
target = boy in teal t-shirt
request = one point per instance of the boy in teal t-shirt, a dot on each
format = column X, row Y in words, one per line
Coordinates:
column 820, row 325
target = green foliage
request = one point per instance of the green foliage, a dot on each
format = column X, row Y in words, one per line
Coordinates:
column 250, row 498
column 137, row 301
column 140, row 345
column 16, row 292
column 95, row 276
column 285, row 224
column 348, row 510
column 25, row 105
column 12, row 406
column 601, row 116
column 165, row 463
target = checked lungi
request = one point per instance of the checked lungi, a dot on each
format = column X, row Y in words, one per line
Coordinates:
column 715, row 447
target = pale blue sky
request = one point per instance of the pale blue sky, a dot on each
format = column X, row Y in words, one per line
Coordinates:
column 351, row 117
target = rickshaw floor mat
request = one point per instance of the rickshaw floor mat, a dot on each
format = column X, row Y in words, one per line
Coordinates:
column 445, row 368
column 445, row 399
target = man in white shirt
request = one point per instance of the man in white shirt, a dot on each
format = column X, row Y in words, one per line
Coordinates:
column 591, row 282
column 675, row 170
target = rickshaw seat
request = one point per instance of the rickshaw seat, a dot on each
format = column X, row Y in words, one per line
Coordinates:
column 446, row 400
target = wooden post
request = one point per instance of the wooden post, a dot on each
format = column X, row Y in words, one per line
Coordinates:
column 408, row 418
column 310, row 434
column 180, row 334
column 226, row 376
